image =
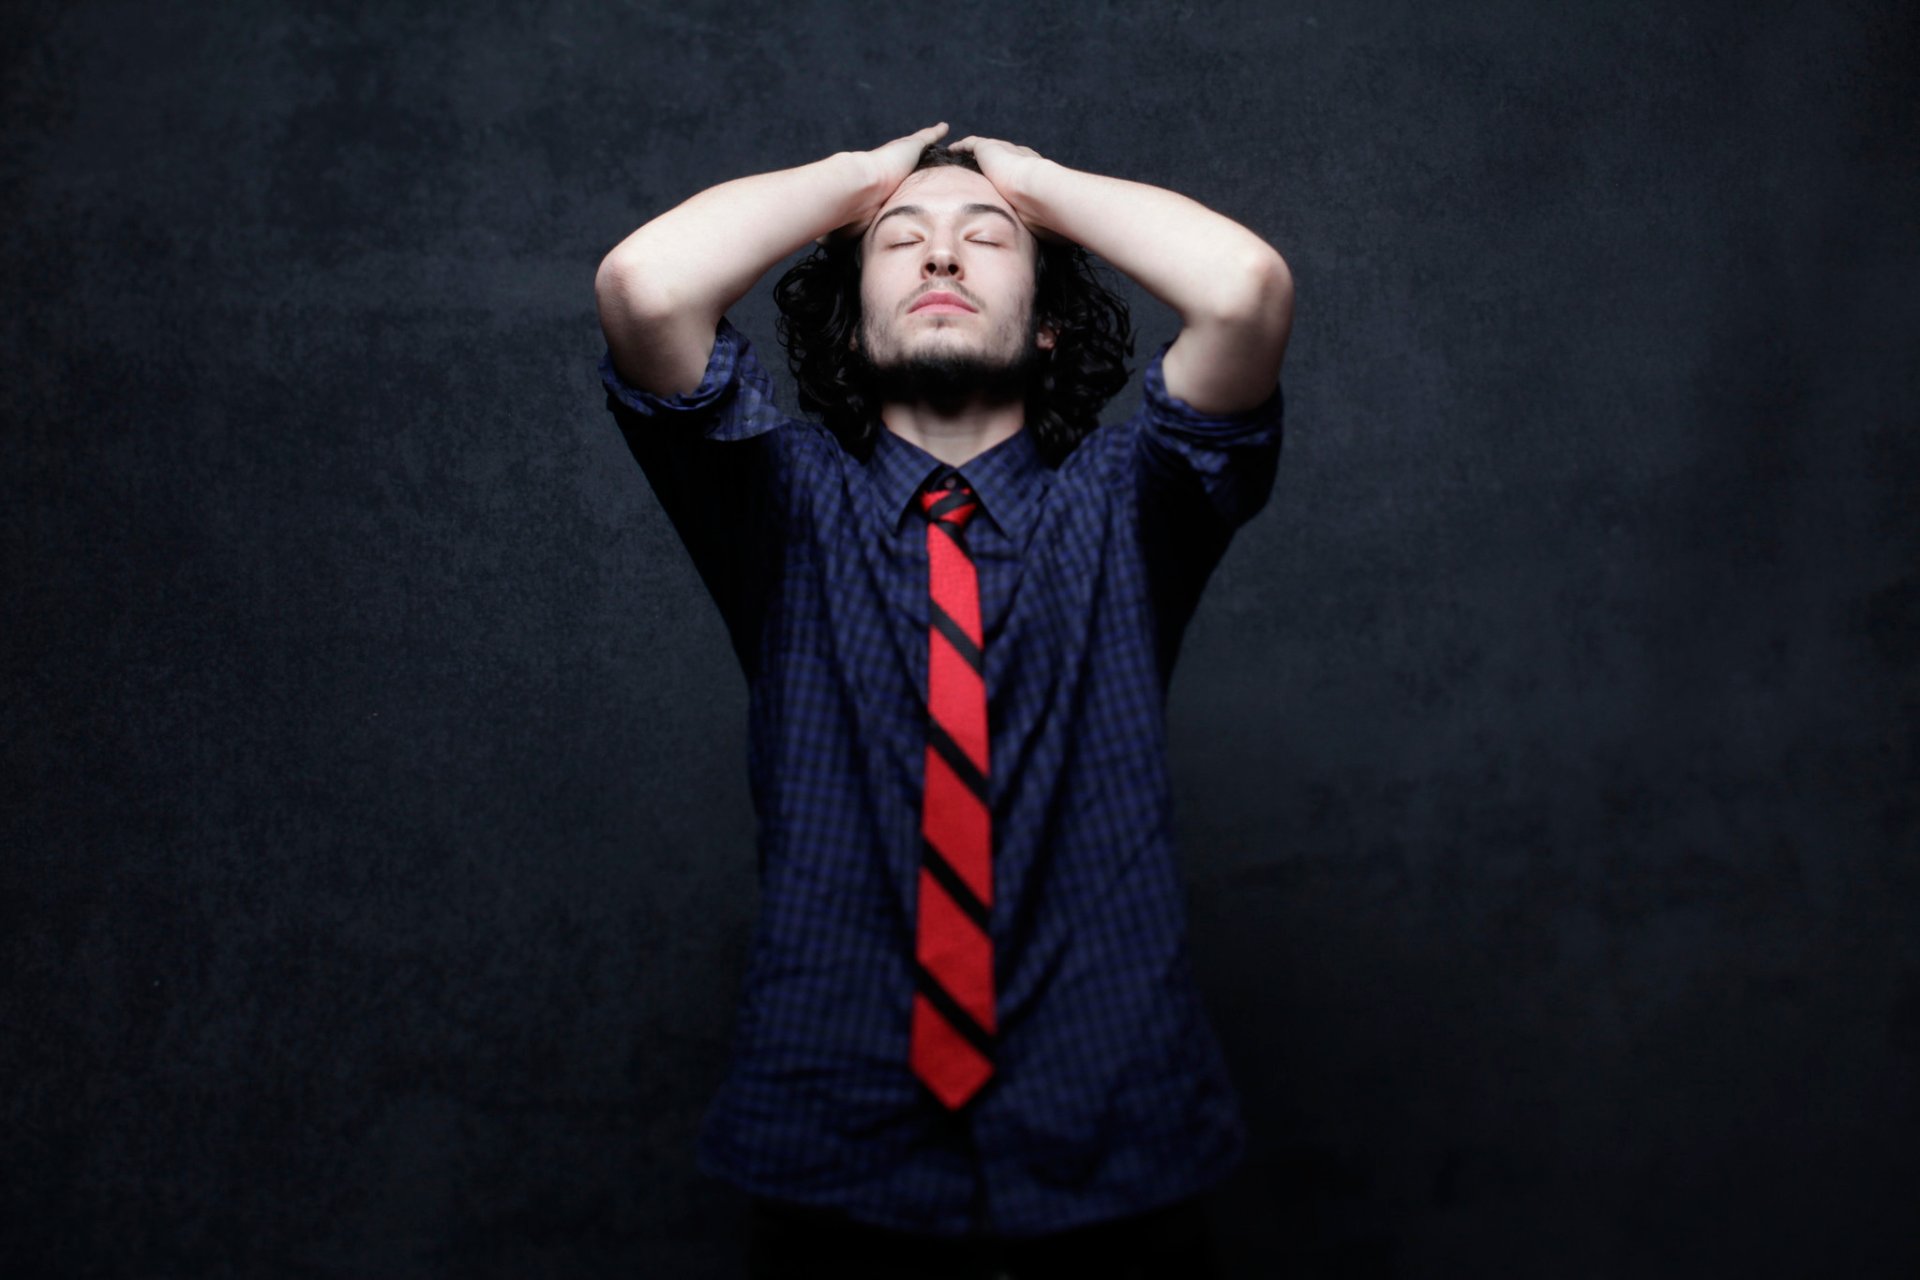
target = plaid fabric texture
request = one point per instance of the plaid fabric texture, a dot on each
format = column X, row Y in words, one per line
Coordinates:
column 1111, row 1094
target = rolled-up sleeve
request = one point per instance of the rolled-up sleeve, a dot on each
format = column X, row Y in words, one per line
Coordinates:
column 713, row 457
column 734, row 400
column 1225, row 462
column 1198, row 478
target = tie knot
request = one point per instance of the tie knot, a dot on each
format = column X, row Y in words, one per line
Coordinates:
column 948, row 499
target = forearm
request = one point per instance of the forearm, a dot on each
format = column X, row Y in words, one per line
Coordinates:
column 703, row 255
column 1200, row 263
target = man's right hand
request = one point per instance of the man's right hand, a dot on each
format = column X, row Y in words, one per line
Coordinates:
column 887, row 167
column 662, row 291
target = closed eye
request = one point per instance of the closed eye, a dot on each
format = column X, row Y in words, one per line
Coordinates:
column 991, row 244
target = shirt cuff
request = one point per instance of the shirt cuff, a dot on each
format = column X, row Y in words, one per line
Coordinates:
column 721, row 366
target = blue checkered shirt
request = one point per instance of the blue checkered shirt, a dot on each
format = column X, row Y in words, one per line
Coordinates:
column 1110, row 1094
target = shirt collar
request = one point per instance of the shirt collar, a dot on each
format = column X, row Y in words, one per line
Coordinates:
column 1007, row 478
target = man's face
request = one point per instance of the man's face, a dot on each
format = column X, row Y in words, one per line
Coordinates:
column 946, row 230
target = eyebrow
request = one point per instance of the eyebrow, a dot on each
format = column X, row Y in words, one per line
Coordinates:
column 966, row 211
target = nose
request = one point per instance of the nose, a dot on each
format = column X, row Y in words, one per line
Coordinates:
column 940, row 261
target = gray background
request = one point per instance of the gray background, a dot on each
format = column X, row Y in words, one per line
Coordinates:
column 378, row 863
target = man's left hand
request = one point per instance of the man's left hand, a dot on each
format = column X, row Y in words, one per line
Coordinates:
column 1008, row 167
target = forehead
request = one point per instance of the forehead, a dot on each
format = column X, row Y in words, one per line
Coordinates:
column 941, row 190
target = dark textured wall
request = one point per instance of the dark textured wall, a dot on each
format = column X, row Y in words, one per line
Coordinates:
column 377, row 862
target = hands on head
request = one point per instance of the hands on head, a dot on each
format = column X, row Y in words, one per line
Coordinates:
column 890, row 165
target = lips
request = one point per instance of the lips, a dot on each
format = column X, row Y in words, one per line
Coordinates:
column 941, row 299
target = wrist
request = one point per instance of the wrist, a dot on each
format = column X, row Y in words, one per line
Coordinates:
column 1036, row 187
column 857, row 173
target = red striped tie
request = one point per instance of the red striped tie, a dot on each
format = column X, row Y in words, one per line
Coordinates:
column 953, row 1016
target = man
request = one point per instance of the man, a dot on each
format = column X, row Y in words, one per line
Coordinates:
column 969, row 1036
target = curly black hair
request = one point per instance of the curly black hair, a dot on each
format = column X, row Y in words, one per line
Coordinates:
column 819, row 301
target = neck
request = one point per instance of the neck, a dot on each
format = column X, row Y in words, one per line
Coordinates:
column 955, row 434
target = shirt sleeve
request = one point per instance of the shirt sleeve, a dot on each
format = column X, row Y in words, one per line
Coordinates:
column 1198, row 478
column 714, row 458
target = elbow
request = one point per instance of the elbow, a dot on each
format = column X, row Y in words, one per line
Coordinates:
column 607, row 276
column 623, row 286
column 1263, row 292
column 1279, row 280
column 612, row 284
column 617, row 279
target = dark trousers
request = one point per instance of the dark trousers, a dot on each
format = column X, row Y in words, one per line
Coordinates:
column 798, row 1242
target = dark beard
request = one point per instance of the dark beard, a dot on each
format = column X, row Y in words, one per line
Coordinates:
column 948, row 380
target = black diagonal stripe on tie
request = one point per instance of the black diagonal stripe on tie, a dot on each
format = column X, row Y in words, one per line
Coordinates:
column 956, row 498
column 959, row 890
column 963, row 643
column 956, row 535
column 942, row 741
column 975, row 1034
